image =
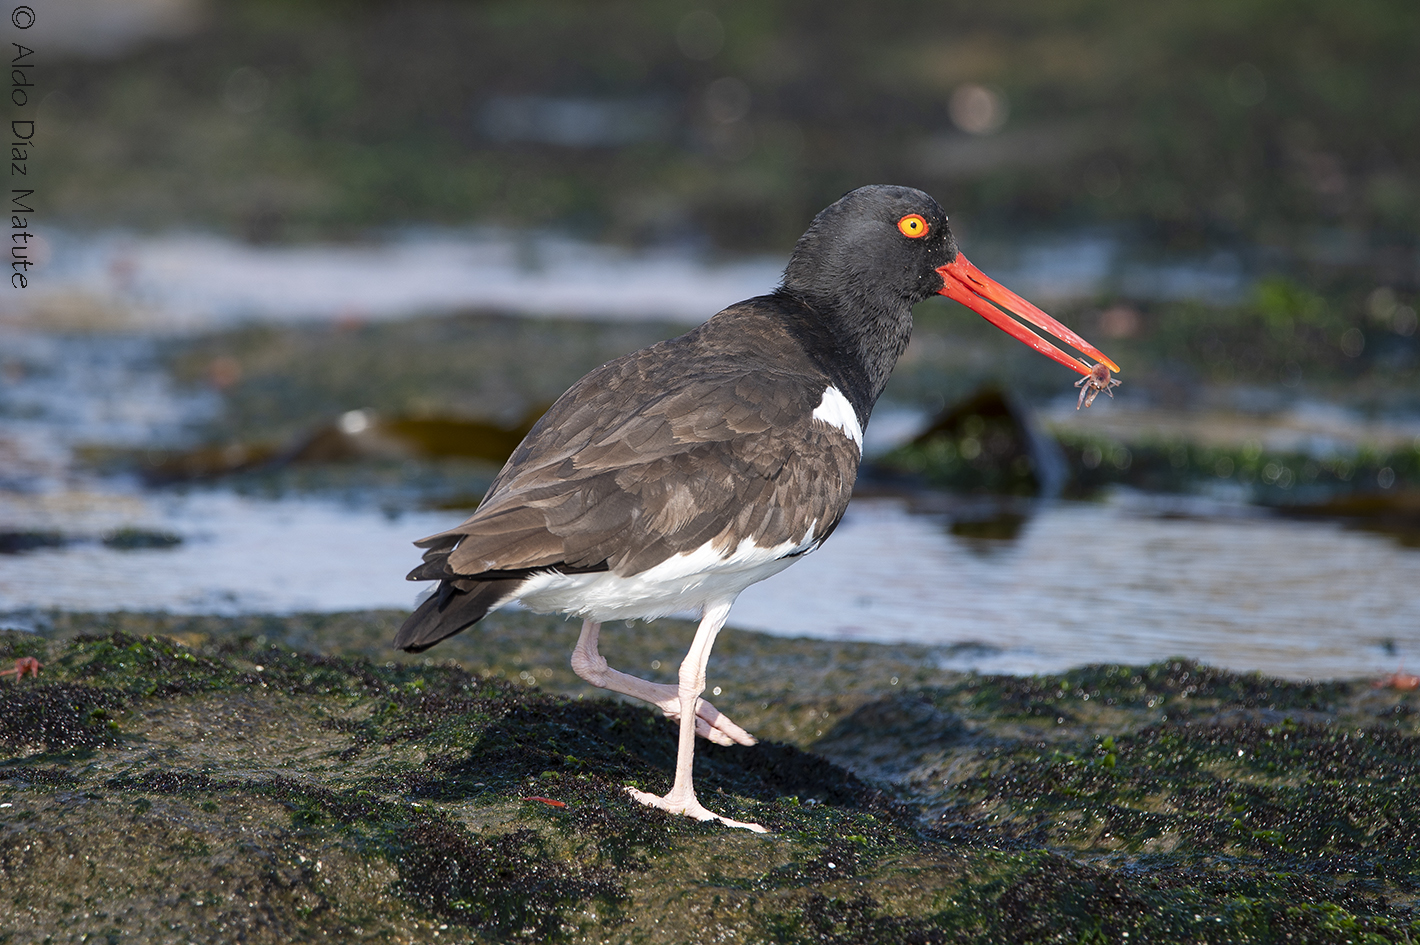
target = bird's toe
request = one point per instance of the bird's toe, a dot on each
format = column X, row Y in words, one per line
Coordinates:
column 705, row 730
column 721, row 724
column 690, row 807
column 710, row 723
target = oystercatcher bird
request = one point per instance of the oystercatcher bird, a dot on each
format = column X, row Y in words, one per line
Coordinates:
column 671, row 479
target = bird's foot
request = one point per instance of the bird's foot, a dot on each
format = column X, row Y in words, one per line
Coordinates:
column 710, row 722
column 689, row 806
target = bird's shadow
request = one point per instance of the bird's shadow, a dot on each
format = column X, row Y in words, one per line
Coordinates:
column 525, row 740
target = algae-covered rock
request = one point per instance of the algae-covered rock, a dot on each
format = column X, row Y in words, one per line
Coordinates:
column 218, row 784
column 988, row 442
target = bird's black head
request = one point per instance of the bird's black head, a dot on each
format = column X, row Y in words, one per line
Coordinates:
column 861, row 266
column 867, row 259
column 878, row 245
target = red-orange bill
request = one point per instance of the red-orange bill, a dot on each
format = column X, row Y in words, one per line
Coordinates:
column 964, row 283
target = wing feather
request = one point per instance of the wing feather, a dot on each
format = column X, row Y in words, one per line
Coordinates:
column 611, row 477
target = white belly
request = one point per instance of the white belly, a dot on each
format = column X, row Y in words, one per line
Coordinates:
column 685, row 582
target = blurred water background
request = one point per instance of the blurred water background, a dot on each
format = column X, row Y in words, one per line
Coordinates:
column 303, row 272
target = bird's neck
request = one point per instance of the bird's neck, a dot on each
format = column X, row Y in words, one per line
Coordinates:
column 856, row 341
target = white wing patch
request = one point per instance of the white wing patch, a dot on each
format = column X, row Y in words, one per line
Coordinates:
column 836, row 411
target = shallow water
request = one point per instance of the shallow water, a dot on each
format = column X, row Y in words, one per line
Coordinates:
column 192, row 282
column 238, row 554
column 1131, row 580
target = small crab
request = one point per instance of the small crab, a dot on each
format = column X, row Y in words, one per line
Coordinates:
column 25, row 664
column 1093, row 383
column 1399, row 680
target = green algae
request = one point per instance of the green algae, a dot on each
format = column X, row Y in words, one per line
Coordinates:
column 983, row 453
column 216, row 783
column 1270, row 477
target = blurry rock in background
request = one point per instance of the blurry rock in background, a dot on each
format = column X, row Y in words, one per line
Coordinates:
column 17, row 541
column 131, row 538
column 361, row 434
column 127, row 538
column 986, row 443
column 206, row 462
column 990, row 444
column 357, row 435
column 1225, row 457
column 1389, row 511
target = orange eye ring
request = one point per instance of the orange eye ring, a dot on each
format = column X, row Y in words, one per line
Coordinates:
column 913, row 226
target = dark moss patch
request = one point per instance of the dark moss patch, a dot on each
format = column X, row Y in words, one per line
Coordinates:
column 161, row 666
column 508, row 884
column 37, row 774
column 57, row 717
column 19, row 542
column 1060, row 900
column 136, row 539
column 17, row 645
column 1185, row 685
column 144, row 666
column 858, row 921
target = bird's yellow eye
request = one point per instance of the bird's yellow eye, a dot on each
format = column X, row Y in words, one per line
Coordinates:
column 913, row 225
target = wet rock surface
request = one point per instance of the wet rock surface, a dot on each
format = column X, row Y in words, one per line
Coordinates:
column 275, row 779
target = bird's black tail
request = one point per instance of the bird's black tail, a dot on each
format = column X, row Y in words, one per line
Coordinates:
column 456, row 606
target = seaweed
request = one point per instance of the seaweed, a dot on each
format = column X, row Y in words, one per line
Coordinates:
column 858, row 921
column 57, row 717
column 234, row 787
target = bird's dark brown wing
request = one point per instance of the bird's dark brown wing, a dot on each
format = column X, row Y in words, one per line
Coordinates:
column 612, row 479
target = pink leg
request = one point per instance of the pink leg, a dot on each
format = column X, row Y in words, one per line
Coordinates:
column 682, row 799
column 709, row 722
